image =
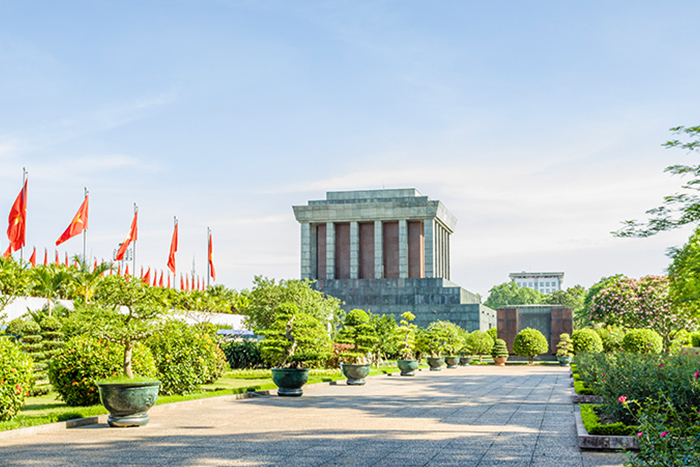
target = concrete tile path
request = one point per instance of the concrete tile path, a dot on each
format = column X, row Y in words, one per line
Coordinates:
column 479, row 416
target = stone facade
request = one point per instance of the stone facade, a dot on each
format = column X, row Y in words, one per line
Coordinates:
column 550, row 320
column 387, row 251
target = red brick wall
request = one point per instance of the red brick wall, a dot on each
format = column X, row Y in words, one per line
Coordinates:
column 342, row 250
column 366, row 233
column 562, row 322
column 321, row 251
column 391, row 249
column 416, row 249
column 507, row 325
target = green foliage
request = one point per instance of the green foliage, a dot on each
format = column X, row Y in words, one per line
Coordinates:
column 83, row 361
column 185, row 358
column 611, row 337
column 358, row 331
column 678, row 209
column 530, row 343
column 591, row 421
column 665, row 435
column 244, row 354
column 581, row 389
column 586, row 340
column 499, row 349
column 15, row 378
column 510, row 293
column 480, row 343
column 642, row 341
column 565, row 347
column 680, row 340
column 294, row 339
column 406, row 333
column 440, row 337
column 493, row 332
column 573, row 298
column 261, row 303
column 386, row 340
column 583, row 318
column 14, row 281
column 684, row 277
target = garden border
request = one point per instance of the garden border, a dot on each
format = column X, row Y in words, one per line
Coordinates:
column 601, row 442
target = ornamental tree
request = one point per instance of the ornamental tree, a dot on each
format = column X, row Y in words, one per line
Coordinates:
column 358, row 331
column 510, row 293
column 406, row 333
column 640, row 303
column 530, row 343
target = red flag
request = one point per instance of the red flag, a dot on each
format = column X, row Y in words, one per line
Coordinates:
column 126, row 271
column 168, row 280
column 147, row 278
column 95, row 265
column 212, row 272
column 17, row 220
column 131, row 237
column 192, row 282
column 78, row 224
column 182, row 284
column 119, row 270
column 155, row 278
column 32, row 259
column 173, row 249
column 8, row 252
column 66, row 259
column 75, row 263
column 46, row 257
column 160, row 284
column 58, row 262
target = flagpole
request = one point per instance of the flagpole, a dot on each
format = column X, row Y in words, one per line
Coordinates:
column 85, row 237
column 208, row 257
column 24, row 207
column 136, row 209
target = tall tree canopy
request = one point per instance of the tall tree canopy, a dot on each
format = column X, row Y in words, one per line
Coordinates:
column 510, row 293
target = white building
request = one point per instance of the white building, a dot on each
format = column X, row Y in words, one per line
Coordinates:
column 545, row 282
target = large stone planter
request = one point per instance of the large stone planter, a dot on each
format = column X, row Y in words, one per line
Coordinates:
column 565, row 361
column 452, row 362
column 128, row 403
column 356, row 373
column 435, row 363
column 500, row 361
column 290, row 380
column 407, row 367
column 465, row 361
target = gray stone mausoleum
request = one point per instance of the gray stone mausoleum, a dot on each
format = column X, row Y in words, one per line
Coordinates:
column 387, row 251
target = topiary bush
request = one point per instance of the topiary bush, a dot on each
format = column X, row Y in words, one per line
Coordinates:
column 499, row 349
column 611, row 336
column 480, row 343
column 586, row 340
column 530, row 343
column 185, row 358
column 243, row 355
column 83, row 361
column 642, row 341
column 15, row 378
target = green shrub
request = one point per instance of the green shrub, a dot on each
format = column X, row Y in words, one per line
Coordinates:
column 695, row 339
column 591, row 421
column 611, row 337
column 530, row 343
column 681, row 339
column 243, row 355
column 499, row 349
column 15, row 378
column 493, row 332
column 586, row 340
column 480, row 343
column 83, row 361
column 565, row 347
column 185, row 358
column 581, row 389
column 358, row 331
column 642, row 341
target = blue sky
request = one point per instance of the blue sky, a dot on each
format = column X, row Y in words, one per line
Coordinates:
column 538, row 124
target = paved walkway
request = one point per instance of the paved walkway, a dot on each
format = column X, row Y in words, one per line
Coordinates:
column 478, row 416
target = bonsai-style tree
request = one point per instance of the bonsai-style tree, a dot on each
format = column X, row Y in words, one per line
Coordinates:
column 530, row 343
column 358, row 331
column 435, row 339
column 124, row 312
column 565, row 347
column 499, row 349
column 294, row 340
column 465, row 350
column 407, row 335
column 453, row 337
column 386, row 340
column 480, row 343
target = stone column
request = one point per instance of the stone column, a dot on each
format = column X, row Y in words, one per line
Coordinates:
column 354, row 250
column 447, row 255
column 378, row 250
column 429, row 248
column 306, row 267
column 403, row 249
column 330, row 250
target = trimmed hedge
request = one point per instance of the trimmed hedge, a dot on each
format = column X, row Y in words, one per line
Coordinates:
column 530, row 343
column 591, row 420
column 586, row 340
column 642, row 341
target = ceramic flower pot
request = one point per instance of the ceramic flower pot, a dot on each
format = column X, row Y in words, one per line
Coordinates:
column 565, row 361
column 465, row 361
column 452, row 362
column 500, row 361
column 436, row 363
column 128, row 403
column 407, row 367
column 356, row 373
column 290, row 380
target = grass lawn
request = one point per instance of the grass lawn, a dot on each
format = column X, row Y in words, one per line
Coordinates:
column 49, row 408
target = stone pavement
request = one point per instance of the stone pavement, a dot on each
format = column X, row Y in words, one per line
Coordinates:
column 479, row 416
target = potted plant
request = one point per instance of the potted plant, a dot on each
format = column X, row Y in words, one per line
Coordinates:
column 359, row 332
column 293, row 341
column 565, row 349
column 126, row 312
column 479, row 343
column 499, row 352
column 432, row 342
column 465, row 352
column 529, row 343
column 453, row 342
column 407, row 338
